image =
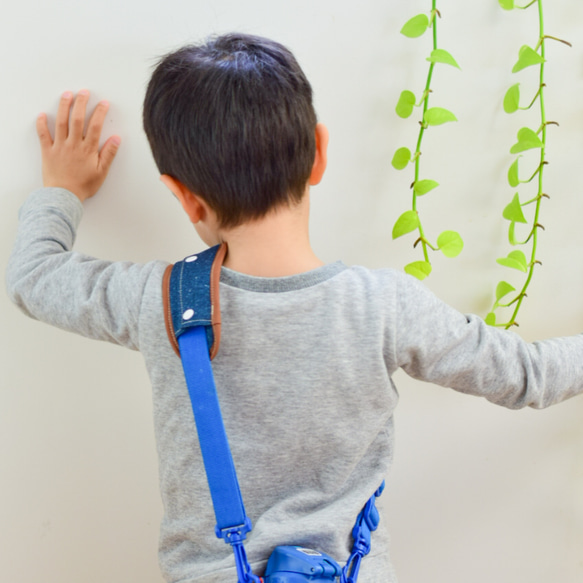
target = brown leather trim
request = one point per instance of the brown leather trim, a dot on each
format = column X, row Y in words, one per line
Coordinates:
column 215, row 298
column 167, row 313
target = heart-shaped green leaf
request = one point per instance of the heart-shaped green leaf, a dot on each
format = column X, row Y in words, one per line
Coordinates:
column 442, row 56
column 401, row 158
column 418, row 269
column 514, row 260
column 512, row 99
column 503, row 289
column 450, row 243
column 513, row 179
column 407, row 222
column 491, row 319
column 506, row 4
column 405, row 104
column 422, row 187
column 436, row 116
column 527, row 57
column 513, row 211
column 527, row 140
column 415, row 26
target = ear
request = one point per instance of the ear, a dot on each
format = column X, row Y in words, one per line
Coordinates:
column 321, row 159
column 192, row 204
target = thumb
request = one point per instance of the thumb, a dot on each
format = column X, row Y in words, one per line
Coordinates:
column 108, row 152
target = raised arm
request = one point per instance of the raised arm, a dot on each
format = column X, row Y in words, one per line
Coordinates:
column 45, row 278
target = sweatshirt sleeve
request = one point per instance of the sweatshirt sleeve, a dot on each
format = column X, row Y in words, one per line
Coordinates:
column 50, row 282
column 435, row 343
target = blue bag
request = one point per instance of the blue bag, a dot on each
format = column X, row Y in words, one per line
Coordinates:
column 192, row 316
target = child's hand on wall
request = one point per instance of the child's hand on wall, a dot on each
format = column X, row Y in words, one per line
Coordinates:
column 73, row 160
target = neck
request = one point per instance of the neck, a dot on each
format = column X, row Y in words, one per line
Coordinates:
column 273, row 246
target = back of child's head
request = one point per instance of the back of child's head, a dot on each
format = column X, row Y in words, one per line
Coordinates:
column 232, row 119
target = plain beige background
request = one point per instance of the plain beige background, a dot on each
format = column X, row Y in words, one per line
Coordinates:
column 478, row 493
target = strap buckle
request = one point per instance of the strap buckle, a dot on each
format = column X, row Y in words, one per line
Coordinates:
column 366, row 523
column 235, row 535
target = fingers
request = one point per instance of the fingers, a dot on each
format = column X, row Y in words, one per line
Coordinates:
column 62, row 121
column 77, row 122
column 69, row 125
column 42, row 129
column 96, row 123
column 76, row 109
column 108, row 152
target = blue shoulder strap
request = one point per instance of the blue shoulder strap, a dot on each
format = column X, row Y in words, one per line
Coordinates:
column 233, row 524
column 194, row 304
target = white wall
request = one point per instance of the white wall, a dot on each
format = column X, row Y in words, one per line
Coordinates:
column 478, row 493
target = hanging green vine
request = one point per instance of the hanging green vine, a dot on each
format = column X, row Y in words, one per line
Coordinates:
column 449, row 242
column 527, row 139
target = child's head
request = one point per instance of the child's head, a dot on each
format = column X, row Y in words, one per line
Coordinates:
column 233, row 121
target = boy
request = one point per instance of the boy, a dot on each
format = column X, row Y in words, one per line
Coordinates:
column 307, row 349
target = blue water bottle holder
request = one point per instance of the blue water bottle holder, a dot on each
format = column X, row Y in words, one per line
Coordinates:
column 192, row 314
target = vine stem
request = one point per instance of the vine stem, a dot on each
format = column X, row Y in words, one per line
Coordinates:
column 528, row 5
column 424, row 127
column 539, row 197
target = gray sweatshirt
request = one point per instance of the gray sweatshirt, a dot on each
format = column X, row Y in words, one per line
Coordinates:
column 303, row 377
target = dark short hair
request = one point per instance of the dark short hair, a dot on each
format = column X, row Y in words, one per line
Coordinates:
column 233, row 120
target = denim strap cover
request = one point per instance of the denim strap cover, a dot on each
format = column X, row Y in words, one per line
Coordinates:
column 191, row 296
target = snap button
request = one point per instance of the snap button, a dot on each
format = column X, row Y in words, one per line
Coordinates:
column 188, row 314
column 191, row 258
